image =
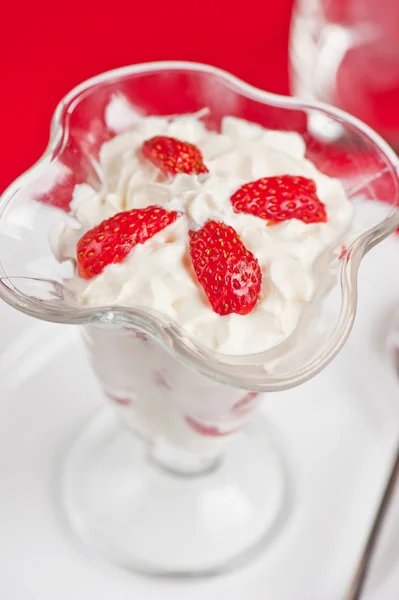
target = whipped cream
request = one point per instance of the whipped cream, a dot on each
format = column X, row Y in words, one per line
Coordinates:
column 159, row 274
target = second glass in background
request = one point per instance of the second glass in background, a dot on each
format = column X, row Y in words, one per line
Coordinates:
column 346, row 53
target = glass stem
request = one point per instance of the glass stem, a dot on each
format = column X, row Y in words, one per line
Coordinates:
column 180, row 462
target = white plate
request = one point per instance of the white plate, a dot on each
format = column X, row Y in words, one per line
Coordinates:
column 339, row 429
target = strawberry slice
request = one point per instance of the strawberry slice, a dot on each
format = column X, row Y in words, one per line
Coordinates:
column 244, row 406
column 206, row 430
column 343, row 252
column 112, row 240
column 229, row 273
column 173, row 156
column 280, row 198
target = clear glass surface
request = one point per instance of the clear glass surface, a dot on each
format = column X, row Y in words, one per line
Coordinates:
column 346, row 52
column 137, row 497
column 155, row 510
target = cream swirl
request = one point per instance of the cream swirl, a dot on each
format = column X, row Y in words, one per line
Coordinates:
column 159, row 275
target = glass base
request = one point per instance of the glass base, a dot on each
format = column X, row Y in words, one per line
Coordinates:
column 148, row 519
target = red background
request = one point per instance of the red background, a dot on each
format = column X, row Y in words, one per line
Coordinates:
column 48, row 46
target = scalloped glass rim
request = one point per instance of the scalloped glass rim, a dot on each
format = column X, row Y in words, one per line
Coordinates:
column 247, row 372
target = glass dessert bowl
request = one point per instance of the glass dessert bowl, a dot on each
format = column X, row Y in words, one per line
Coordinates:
column 202, row 485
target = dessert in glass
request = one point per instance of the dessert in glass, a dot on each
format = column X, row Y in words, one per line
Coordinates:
column 208, row 244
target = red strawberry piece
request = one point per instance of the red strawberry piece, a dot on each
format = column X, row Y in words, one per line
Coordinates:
column 243, row 406
column 160, row 380
column 113, row 239
column 120, row 401
column 281, row 198
column 207, row 430
column 229, row 273
column 343, row 252
column 141, row 336
column 173, row 156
